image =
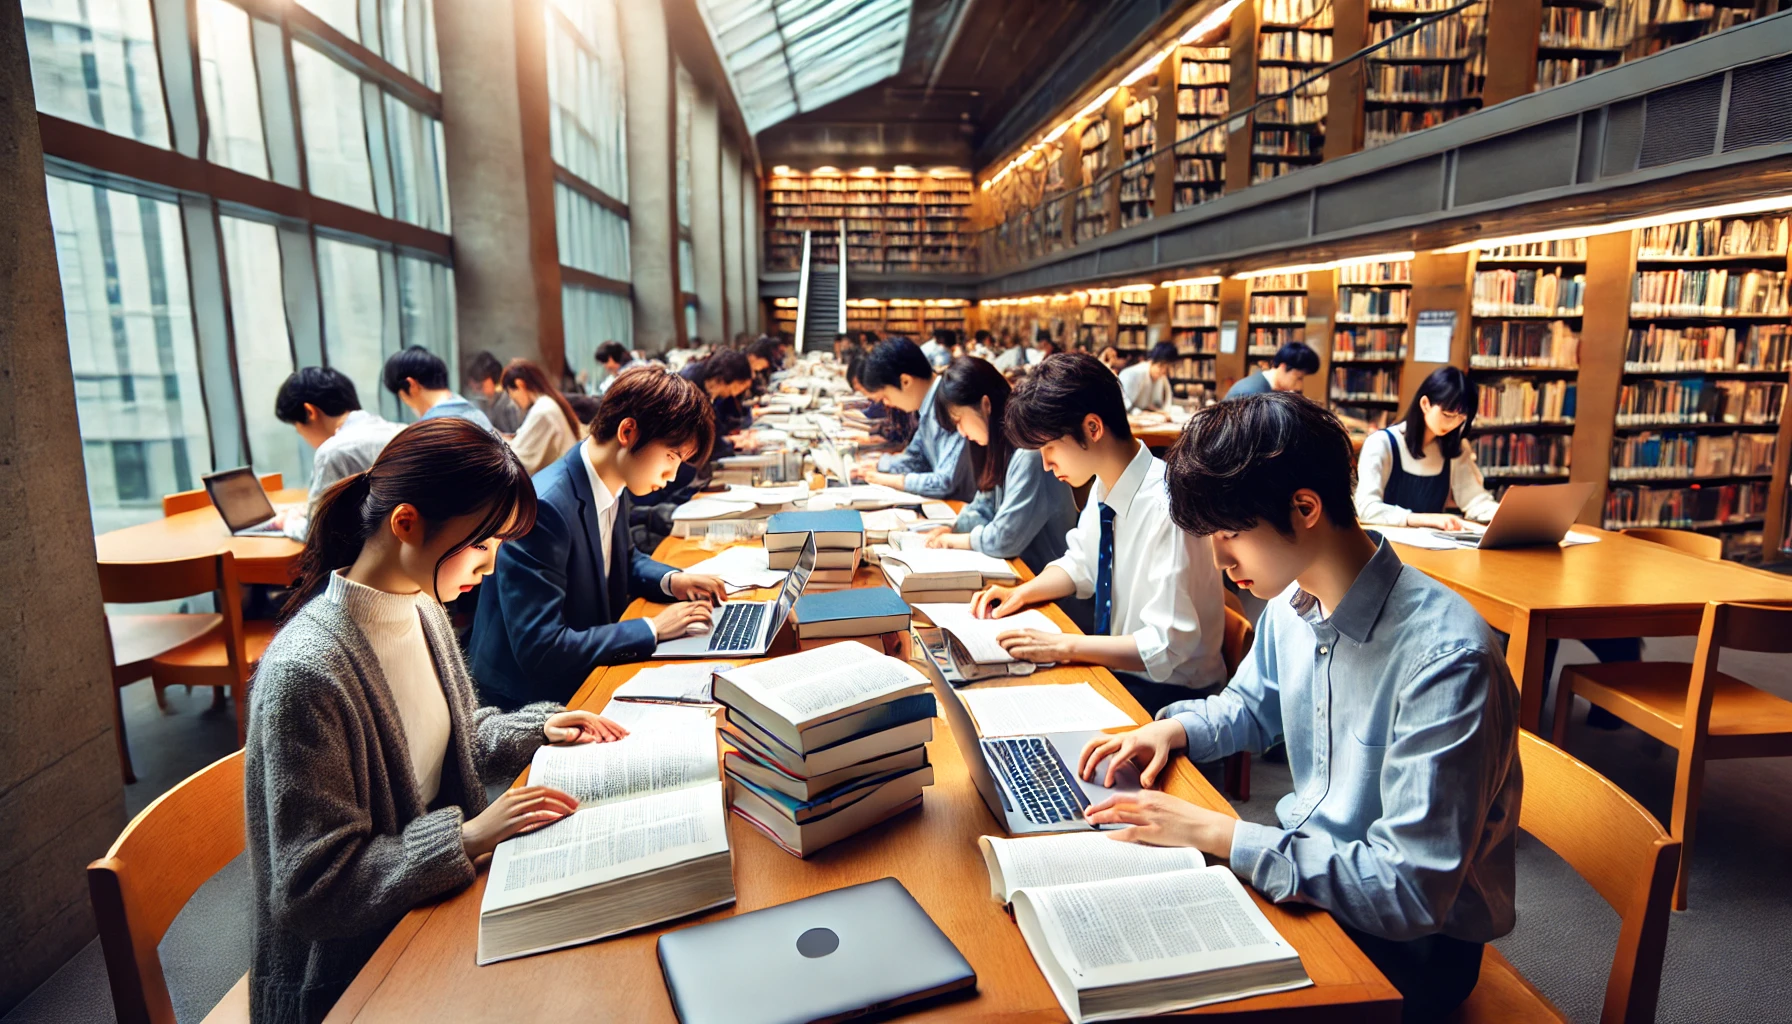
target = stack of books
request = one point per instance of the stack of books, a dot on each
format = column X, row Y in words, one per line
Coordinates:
column 924, row 575
column 827, row 743
column 839, row 541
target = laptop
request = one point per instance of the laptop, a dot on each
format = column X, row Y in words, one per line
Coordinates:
column 745, row 628
column 837, row 955
column 1532, row 515
column 241, row 502
column 1029, row 783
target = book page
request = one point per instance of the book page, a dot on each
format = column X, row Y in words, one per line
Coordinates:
column 645, row 761
column 1072, row 857
column 940, row 560
column 710, row 508
column 1031, row 710
column 808, row 686
column 979, row 635
column 639, row 716
column 599, row 844
column 681, row 682
column 742, row 567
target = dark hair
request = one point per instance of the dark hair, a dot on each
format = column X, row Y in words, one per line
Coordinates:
column 1043, row 335
column 485, row 366
column 416, row 363
column 446, row 468
column 522, row 371
column 1449, row 389
column 767, row 348
column 1162, row 352
column 584, row 406
column 612, row 352
column 893, row 357
column 965, row 383
column 665, row 407
column 1297, row 356
column 1238, row 464
column 330, row 390
column 983, row 336
column 1052, row 401
column 855, row 368
column 725, row 365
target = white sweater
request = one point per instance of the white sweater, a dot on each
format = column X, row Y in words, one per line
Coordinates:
column 394, row 630
column 544, row 436
column 1376, row 466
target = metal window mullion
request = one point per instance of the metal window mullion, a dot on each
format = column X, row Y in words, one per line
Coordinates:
column 212, row 331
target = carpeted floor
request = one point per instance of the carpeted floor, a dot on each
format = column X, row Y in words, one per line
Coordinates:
column 1728, row 958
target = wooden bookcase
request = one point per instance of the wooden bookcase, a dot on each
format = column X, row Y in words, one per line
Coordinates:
column 1194, row 321
column 901, row 221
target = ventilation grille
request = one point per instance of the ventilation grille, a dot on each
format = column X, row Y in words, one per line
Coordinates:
column 1623, row 137
column 1760, row 105
column 1681, row 123
column 1403, row 191
column 1517, row 163
column 1282, row 222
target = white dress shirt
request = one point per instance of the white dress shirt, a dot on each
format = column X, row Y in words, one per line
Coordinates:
column 1142, row 393
column 1011, row 359
column 1376, row 466
column 607, row 507
column 358, row 440
column 544, row 436
column 1166, row 591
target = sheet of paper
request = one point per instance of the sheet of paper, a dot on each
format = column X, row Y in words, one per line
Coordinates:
column 742, row 567
column 638, row 717
column 685, row 681
column 978, row 636
column 1030, row 710
column 783, row 494
column 926, row 560
column 939, row 512
column 710, row 508
column 1413, row 536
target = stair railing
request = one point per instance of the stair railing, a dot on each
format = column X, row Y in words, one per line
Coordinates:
column 802, row 296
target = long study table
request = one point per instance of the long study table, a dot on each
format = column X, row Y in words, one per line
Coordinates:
column 425, row 968
column 201, row 531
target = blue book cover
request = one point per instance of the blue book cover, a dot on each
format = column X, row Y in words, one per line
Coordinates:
column 851, row 603
column 842, row 520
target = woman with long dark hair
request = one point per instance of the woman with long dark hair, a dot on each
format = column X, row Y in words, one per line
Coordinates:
column 1407, row 472
column 367, row 755
column 550, row 427
column 1020, row 510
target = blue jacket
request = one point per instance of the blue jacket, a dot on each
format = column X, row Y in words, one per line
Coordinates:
column 548, row 614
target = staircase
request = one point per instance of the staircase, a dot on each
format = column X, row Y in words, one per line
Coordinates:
column 821, row 312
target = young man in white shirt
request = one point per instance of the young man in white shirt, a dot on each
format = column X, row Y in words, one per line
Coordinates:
column 322, row 406
column 1159, row 613
column 614, row 358
column 1146, row 385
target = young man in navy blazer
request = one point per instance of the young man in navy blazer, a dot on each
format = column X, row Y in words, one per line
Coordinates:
column 551, row 609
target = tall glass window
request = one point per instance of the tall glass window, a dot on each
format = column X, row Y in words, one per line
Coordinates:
column 340, row 15
column 130, row 345
column 592, row 238
column 683, row 97
column 232, row 95
column 330, row 115
column 426, row 310
column 592, row 318
column 587, row 121
column 94, row 62
column 263, row 346
column 354, row 316
column 414, row 140
column 408, row 38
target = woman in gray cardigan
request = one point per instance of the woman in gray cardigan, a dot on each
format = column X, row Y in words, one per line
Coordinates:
column 367, row 754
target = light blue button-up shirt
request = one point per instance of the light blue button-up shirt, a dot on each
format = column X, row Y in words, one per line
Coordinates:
column 930, row 465
column 1401, row 721
column 1026, row 516
column 454, row 405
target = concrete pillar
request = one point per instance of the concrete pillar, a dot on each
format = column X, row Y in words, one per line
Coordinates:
column 706, row 217
column 500, row 173
column 652, row 175
column 749, row 239
column 732, row 267
column 61, row 795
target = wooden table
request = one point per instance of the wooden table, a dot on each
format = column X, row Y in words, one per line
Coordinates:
column 425, row 968
column 1618, row 587
column 270, row 560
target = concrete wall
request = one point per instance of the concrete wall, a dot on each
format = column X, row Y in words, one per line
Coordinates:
column 706, row 217
column 61, row 794
column 732, row 269
column 652, row 176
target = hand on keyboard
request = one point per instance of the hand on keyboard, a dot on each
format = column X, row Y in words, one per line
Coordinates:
column 676, row 619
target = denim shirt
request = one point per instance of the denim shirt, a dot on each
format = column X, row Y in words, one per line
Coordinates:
column 1400, row 718
column 930, row 465
column 461, row 408
column 1026, row 516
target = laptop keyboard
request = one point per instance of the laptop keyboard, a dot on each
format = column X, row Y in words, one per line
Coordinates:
column 1033, row 772
column 738, row 627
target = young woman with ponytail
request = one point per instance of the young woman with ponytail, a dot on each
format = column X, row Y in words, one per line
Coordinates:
column 367, row 754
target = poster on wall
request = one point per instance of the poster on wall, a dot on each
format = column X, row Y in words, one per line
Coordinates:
column 1431, row 340
column 1228, row 336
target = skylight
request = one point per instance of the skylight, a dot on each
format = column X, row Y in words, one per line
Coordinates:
column 785, row 57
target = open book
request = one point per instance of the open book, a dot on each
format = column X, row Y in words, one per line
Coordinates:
column 978, row 636
column 925, row 568
column 648, row 843
column 1136, row 930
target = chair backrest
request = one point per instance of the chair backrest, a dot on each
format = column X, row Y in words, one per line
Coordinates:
column 1700, row 544
column 174, row 578
column 187, row 501
column 1235, row 642
column 1765, row 629
column 1621, row 851
column 160, row 859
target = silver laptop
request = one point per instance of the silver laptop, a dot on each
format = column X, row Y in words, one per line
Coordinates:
column 1532, row 515
column 745, row 628
column 859, row 950
column 1029, row 783
column 242, row 503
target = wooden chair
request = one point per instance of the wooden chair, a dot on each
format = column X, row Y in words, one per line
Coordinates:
column 160, row 859
column 1622, row 852
column 187, row 501
column 1700, row 544
column 1702, row 713
column 1235, row 646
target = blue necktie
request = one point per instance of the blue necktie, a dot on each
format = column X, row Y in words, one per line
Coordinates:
column 1104, row 573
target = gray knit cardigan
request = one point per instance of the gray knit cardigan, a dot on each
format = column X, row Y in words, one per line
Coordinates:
column 340, row 844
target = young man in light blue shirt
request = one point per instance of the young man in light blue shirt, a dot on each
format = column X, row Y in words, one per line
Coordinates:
column 898, row 375
column 1391, row 693
column 419, row 378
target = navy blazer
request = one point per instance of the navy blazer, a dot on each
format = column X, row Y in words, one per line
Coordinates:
column 548, row 614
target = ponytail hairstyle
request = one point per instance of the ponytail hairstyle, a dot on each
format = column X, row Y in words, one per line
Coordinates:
column 535, row 379
column 1451, row 390
column 445, row 468
column 966, row 382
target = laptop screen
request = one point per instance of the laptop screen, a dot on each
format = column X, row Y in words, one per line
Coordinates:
column 239, row 499
column 793, row 584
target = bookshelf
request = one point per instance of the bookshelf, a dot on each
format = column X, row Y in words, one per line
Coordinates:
column 914, row 318
column 898, row 221
column 1369, row 342
column 784, row 316
column 1423, row 79
column 1091, row 215
column 1194, row 330
column 1138, row 176
column 1203, row 83
column 1294, row 39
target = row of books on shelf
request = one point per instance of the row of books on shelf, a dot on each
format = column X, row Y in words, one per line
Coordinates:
column 1382, row 272
column 1278, row 307
column 1304, row 111
column 1760, row 347
column 1712, row 291
column 1554, row 71
column 1271, row 339
column 1422, row 83
column 1369, row 344
column 1683, row 508
column 1208, row 102
column 1528, row 291
column 1273, row 142
column 1449, row 37
column 1684, row 456
column 1195, row 314
column 1357, row 385
column 1518, row 401
column 1524, row 455
column 921, row 184
column 1369, row 304
column 1193, row 369
column 1553, row 249
column 1277, row 79
column 1603, row 28
column 1698, row 400
column 1268, row 168
column 1309, row 13
column 1202, row 71
column 1381, row 127
column 1519, row 344
column 1764, row 236
column 1279, row 283
column 1307, row 46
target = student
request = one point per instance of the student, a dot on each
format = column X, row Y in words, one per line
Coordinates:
column 485, row 372
column 765, row 356
column 1146, row 385
column 614, row 358
column 323, row 408
column 553, row 610
column 1013, row 355
column 1391, row 693
column 888, row 425
column 938, row 348
column 983, row 346
column 1287, row 372
column 367, row 754
column 724, row 377
column 1158, row 611
column 897, row 374
column 1112, row 359
column 1043, row 346
column 1409, row 470
column 419, row 378
column 844, row 346
column 550, row 427
column 1020, row 511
